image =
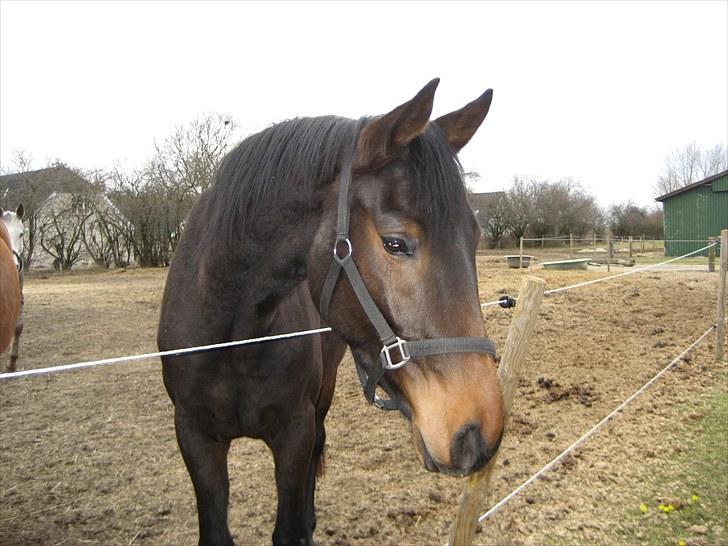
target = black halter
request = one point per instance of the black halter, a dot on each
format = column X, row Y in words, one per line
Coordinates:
column 19, row 266
column 396, row 352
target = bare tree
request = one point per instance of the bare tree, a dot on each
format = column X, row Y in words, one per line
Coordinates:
column 146, row 209
column 496, row 223
column 583, row 214
column 563, row 207
column 629, row 219
column 186, row 162
column 155, row 199
column 654, row 225
column 714, row 160
column 32, row 193
column 520, row 203
column 61, row 229
column 158, row 198
column 550, row 205
column 690, row 164
column 106, row 234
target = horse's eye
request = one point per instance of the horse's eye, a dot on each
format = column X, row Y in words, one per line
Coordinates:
column 395, row 246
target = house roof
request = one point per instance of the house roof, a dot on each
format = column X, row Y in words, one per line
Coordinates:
column 16, row 187
column 480, row 201
column 692, row 186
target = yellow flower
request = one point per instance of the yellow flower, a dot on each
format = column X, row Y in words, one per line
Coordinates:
column 644, row 508
column 694, row 499
column 681, row 542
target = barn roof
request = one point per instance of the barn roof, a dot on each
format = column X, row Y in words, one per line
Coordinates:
column 692, row 186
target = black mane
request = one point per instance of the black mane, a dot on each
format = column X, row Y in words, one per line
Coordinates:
column 288, row 160
column 437, row 175
column 292, row 159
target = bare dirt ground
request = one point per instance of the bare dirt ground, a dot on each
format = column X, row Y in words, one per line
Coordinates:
column 89, row 457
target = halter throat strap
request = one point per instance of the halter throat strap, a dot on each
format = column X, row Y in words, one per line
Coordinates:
column 395, row 352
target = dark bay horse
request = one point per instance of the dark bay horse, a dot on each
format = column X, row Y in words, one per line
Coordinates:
column 11, row 282
column 368, row 219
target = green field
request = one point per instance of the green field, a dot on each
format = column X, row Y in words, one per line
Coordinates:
column 689, row 504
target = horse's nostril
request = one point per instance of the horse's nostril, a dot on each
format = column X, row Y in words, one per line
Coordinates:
column 468, row 450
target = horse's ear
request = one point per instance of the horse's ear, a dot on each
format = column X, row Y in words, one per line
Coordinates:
column 387, row 135
column 460, row 126
column 20, row 211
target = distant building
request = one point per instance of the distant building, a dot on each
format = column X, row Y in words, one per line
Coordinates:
column 487, row 206
column 694, row 213
column 58, row 202
column 38, row 185
column 484, row 204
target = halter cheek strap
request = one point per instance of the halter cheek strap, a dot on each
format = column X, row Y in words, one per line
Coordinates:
column 395, row 352
column 19, row 260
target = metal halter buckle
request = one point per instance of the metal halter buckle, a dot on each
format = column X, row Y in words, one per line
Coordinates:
column 400, row 344
column 378, row 403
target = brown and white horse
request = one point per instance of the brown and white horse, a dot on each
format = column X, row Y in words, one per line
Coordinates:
column 11, row 282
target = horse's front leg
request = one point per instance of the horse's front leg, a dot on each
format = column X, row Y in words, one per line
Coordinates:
column 12, row 365
column 315, row 469
column 293, row 449
column 206, row 460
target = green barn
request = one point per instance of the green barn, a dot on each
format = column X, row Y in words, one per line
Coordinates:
column 695, row 213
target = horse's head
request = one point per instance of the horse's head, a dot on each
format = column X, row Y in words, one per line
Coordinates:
column 14, row 224
column 413, row 238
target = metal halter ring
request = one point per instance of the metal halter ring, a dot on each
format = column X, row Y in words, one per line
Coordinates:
column 336, row 248
column 400, row 344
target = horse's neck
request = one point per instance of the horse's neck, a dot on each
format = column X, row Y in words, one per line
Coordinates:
column 264, row 266
column 5, row 235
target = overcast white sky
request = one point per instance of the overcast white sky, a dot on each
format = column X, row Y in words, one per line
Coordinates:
column 597, row 91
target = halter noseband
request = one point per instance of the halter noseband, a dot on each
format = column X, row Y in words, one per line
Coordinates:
column 395, row 352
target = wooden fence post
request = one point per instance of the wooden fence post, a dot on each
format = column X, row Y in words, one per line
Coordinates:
column 711, row 255
column 509, row 372
column 520, row 256
column 720, row 324
column 571, row 245
column 609, row 252
column 630, row 246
